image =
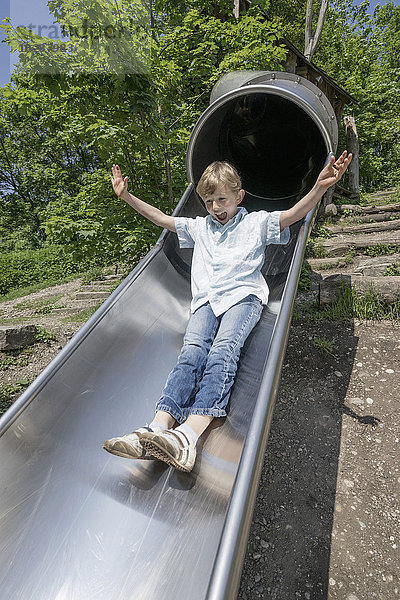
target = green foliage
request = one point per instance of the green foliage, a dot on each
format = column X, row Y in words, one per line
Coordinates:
column 321, row 232
column 393, row 270
column 327, row 346
column 381, row 250
column 315, row 250
column 305, row 278
column 349, row 256
column 349, row 305
column 14, row 358
column 9, row 392
column 19, row 269
column 94, row 274
column 83, row 315
column 362, row 53
column 62, row 132
column 43, row 336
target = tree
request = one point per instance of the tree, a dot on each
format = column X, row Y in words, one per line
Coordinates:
column 140, row 120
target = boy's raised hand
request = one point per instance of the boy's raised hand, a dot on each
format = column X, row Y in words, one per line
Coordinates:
column 120, row 185
column 334, row 170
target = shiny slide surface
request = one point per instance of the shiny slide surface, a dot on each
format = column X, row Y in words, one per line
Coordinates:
column 77, row 523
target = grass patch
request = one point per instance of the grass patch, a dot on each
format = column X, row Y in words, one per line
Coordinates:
column 36, row 287
column 305, row 278
column 43, row 336
column 393, row 270
column 14, row 320
column 369, row 199
column 40, row 307
column 349, row 256
column 83, row 315
column 9, row 392
column 94, row 274
column 350, row 305
column 315, row 250
column 327, row 346
column 381, row 250
column 15, row 359
column 322, row 232
column 327, row 266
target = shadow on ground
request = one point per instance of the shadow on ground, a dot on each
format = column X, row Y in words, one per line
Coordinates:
column 289, row 545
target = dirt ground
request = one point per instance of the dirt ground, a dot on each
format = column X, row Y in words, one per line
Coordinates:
column 25, row 365
column 326, row 523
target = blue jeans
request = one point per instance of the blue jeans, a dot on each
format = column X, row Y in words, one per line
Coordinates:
column 201, row 381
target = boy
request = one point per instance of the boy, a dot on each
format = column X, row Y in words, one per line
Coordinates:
column 229, row 292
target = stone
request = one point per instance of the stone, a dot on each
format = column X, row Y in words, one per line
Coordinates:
column 388, row 288
column 330, row 210
column 18, row 336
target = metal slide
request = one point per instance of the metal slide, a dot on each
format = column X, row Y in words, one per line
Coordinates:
column 77, row 523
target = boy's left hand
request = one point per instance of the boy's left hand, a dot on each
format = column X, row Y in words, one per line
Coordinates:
column 334, row 170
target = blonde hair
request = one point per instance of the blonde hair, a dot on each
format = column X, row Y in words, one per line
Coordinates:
column 216, row 173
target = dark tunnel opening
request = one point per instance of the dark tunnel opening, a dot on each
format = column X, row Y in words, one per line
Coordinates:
column 276, row 146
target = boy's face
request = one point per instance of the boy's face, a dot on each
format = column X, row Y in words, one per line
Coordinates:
column 223, row 203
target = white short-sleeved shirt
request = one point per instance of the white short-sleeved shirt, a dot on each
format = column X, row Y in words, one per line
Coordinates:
column 227, row 259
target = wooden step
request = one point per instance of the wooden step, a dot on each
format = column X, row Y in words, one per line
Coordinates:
column 75, row 306
column 92, row 295
column 365, row 227
column 105, row 282
column 339, row 245
column 370, row 209
column 359, row 265
column 95, row 288
column 71, row 310
column 321, row 264
column 373, row 218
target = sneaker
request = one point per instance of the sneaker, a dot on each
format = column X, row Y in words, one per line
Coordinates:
column 129, row 446
column 172, row 446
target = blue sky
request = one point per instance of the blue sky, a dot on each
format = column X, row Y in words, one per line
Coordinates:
column 26, row 12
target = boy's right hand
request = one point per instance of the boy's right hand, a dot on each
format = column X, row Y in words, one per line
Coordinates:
column 120, row 185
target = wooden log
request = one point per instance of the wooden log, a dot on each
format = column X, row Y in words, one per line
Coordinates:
column 370, row 210
column 338, row 246
column 365, row 227
column 326, row 199
column 353, row 147
column 330, row 288
column 319, row 264
column 367, row 210
column 378, row 217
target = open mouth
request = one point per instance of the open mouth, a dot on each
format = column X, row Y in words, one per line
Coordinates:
column 221, row 216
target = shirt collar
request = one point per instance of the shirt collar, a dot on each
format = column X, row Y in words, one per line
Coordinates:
column 235, row 219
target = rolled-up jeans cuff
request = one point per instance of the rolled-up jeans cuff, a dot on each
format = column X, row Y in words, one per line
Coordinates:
column 211, row 412
column 178, row 415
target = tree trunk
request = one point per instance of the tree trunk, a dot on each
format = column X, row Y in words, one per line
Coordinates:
column 312, row 39
column 327, row 198
column 353, row 147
